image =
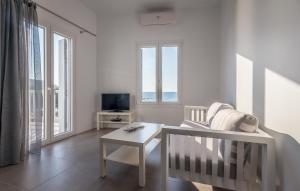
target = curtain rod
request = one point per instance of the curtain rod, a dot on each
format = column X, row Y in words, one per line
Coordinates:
column 61, row 17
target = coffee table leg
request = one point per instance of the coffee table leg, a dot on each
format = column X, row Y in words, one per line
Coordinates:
column 142, row 166
column 102, row 159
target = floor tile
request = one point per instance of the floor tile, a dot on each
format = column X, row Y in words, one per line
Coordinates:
column 73, row 165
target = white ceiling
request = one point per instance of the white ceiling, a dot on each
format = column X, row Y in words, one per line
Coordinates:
column 127, row 6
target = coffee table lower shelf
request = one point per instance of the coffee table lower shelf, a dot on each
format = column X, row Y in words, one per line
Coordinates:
column 130, row 154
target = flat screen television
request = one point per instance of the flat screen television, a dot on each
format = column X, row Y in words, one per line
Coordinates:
column 115, row 102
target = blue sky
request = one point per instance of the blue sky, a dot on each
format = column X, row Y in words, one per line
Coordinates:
column 56, row 39
column 42, row 48
column 169, row 69
column 149, row 69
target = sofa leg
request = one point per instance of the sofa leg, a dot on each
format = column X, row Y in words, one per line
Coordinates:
column 164, row 160
column 268, row 167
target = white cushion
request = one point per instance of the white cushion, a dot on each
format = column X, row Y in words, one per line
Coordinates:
column 197, row 125
column 185, row 125
column 249, row 124
column 224, row 119
column 227, row 119
column 213, row 110
column 233, row 120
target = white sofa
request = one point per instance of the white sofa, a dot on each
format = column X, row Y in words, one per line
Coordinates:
column 221, row 147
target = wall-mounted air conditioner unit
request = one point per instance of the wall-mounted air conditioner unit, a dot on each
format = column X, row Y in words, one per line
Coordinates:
column 158, row 18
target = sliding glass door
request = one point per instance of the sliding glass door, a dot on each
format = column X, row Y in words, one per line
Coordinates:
column 61, row 86
column 55, row 85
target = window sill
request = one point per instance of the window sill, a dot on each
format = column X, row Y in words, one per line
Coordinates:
column 177, row 104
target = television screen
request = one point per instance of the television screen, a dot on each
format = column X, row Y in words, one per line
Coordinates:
column 115, row 102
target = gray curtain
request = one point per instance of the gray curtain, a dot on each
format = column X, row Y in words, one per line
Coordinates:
column 20, row 78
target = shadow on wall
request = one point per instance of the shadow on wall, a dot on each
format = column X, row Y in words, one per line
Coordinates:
column 267, row 45
column 282, row 121
column 282, row 104
column 279, row 113
column 275, row 100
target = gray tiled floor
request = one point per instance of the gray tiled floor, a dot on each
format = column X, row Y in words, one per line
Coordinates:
column 72, row 165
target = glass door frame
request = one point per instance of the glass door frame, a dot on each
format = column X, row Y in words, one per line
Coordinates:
column 48, row 83
column 68, row 35
column 47, row 61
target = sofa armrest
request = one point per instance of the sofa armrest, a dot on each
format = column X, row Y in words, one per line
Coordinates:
column 266, row 142
column 260, row 137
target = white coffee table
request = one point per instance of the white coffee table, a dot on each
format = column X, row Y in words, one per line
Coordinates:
column 136, row 146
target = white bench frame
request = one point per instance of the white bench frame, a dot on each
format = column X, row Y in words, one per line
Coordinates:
column 196, row 114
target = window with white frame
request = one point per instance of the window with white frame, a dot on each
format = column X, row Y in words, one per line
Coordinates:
column 159, row 73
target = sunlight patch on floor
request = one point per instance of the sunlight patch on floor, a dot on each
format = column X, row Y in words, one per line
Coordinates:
column 202, row 187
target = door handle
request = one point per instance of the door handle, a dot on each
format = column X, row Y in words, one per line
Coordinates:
column 49, row 90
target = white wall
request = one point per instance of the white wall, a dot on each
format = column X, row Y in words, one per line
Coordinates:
column 85, row 80
column 199, row 32
column 228, row 51
column 73, row 10
column 266, row 33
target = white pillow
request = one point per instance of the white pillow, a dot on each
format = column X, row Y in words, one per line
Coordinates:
column 227, row 119
column 213, row 110
column 233, row 120
column 249, row 124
